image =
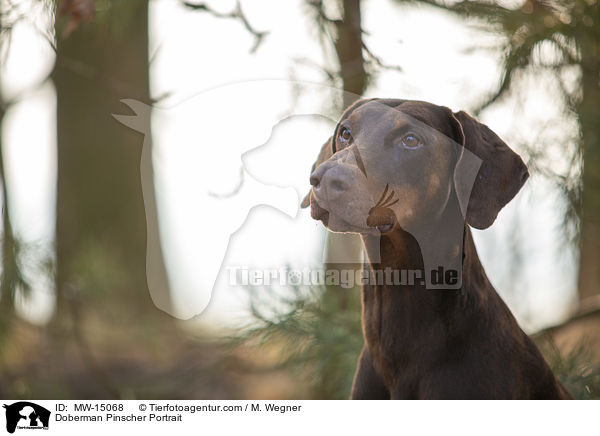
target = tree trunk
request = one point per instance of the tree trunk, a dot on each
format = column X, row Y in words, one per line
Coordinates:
column 343, row 251
column 103, row 303
column 100, row 212
column 349, row 50
column 9, row 265
column 589, row 113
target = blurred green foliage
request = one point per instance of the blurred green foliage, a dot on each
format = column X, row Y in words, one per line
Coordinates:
column 316, row 331
column 575, row 368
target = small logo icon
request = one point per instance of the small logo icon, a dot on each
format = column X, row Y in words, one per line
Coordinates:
column 26, row 415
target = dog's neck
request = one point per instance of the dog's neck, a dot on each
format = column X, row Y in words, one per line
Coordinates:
column 400, row 250
column 412, row 313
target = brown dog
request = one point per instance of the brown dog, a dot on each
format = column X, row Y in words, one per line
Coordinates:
column 410, row 177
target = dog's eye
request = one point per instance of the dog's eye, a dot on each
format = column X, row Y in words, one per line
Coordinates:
column 410, row 141
column 345, row 136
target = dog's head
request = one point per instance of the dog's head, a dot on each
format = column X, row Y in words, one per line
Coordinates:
column 399, row 162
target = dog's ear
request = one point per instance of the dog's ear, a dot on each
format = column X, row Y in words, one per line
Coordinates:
column 501, row 172
column 325, row 153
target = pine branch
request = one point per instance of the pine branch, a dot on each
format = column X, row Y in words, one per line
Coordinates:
column 235, row 14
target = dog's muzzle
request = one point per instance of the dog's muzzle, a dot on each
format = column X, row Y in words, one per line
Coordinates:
column 318, row 213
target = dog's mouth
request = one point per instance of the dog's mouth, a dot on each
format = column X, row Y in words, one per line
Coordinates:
column 339, row 225
column 385, row 228
column 382, row 219
column 381, row 216
column 318, row 213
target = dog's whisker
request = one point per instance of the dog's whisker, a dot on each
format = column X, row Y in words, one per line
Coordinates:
column 382, row 196
column 393, row 202
column 389, row 197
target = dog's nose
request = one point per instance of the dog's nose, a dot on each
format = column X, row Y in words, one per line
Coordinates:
column 317, row 175
column 333, row 179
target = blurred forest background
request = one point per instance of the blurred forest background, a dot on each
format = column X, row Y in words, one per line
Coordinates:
column 105, row 339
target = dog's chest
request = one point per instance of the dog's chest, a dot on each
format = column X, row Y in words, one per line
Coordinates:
column 400, row 332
